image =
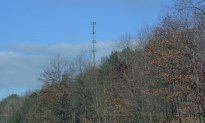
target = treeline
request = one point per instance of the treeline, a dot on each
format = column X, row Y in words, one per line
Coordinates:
column 159, row 80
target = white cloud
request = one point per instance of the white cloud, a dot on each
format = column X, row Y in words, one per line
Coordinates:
column 8, row 54
column 103, row 48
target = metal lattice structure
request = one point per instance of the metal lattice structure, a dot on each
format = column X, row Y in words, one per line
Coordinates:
column 93, row 43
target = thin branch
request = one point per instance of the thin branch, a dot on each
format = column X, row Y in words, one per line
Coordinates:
column 193, row 7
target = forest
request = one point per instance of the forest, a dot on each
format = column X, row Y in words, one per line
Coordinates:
column 155, row 77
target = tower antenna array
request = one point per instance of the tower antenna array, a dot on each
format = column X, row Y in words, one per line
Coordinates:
column 93, row 42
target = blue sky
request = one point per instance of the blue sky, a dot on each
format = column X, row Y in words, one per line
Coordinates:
column 32, row 30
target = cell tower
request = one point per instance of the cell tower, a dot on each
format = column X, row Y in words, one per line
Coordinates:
column 93, row 42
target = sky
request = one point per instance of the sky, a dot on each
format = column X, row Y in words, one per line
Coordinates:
column 33, row 30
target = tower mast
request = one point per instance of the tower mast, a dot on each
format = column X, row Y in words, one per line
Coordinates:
column 93, row 42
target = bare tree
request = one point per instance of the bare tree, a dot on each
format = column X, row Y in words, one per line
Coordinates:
column 197, row 5
column 55, row 70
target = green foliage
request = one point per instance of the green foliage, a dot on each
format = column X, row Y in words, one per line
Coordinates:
column 15, row 118
column 8, row 106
